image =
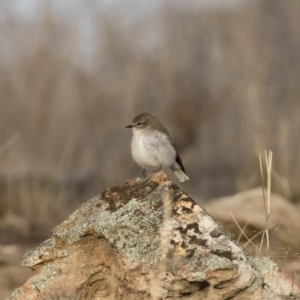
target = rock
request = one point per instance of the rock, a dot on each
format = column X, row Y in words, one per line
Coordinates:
column 147, row 239
column 248, row 208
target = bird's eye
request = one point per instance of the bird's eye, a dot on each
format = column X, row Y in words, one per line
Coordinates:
column 138, row 123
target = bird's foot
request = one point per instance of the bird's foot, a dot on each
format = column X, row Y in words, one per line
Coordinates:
column 154, row 171
column 143, row 174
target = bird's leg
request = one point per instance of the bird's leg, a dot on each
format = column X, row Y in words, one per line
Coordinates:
column 154, row 171
column 143, row 172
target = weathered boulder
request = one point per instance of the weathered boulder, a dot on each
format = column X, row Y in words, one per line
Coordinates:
column 248, row 209
column 147, row 239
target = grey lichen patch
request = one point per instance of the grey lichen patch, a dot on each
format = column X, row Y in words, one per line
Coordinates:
column 35, row 257
column 219, row 263
column 48, row 274
column 198, row 276
column 221, row 247
column 200, row 268
column 219, row 231
column 263, row 264
column 78, row 224
column 254, row 283
column 122, row 194
column 132, row 229
column 61, row 253
column 73, row 234
column 206, row 223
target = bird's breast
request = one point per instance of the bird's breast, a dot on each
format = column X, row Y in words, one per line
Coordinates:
column 152, row 148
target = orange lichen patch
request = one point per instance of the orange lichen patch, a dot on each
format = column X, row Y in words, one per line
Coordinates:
column 179, row 251
column 133, row 181
column 47, row 255
column 145, row 207
column 218, row 276
column 185, row 202
column 197, row 209
column 115, row 195
column 159, row 177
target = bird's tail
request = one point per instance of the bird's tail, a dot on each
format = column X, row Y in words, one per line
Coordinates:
column 181, row 175
column 179, row 170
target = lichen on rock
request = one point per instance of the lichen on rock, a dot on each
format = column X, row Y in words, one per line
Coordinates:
column 143, row 239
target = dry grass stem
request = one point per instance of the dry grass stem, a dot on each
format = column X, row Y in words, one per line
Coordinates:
column 241, row 230
column 266, row 199
column 259, row 233
column 165, row 233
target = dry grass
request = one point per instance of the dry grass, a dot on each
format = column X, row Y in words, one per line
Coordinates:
column 264, row 233
column 267, row 199
column 224, row 81
column 285, row 257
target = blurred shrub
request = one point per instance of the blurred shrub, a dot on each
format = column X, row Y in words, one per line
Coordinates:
column 225, row 81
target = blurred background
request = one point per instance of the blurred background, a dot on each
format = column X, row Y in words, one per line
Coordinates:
column 222, row 75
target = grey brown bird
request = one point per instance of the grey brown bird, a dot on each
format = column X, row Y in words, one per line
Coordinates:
column 153, row 147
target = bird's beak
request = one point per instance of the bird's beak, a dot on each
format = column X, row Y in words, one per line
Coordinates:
column 129, row 126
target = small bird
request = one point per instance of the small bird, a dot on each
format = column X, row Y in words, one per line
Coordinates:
column 152, row 146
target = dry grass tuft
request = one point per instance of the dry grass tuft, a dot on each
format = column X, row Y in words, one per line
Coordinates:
column 264, row 233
